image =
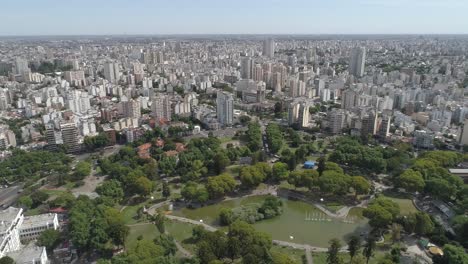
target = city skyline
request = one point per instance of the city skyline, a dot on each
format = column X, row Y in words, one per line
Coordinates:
column 50, row 17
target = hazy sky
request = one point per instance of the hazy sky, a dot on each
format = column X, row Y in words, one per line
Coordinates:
column 72, row 17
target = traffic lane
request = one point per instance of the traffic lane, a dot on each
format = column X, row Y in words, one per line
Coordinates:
column 9, row 195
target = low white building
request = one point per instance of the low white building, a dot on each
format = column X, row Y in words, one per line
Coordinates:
column 14, row 226
column 30, row 255
column 33, row 226
column 10, row 221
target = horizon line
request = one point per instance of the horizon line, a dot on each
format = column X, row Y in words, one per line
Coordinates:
column 237, row 34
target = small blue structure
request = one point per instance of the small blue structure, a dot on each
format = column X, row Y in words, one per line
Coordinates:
column 309, row 164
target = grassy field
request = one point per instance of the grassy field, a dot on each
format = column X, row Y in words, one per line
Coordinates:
column 405, row 203
column 295, row 254
column 321, row 258
column 180, row 231
column 147, row 231
column 130, row 214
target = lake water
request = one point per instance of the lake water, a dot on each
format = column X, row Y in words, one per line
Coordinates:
column 303, row 221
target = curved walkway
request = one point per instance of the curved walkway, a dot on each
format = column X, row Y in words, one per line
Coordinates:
column 307, row 248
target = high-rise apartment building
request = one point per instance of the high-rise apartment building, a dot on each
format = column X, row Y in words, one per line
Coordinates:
column 130, row 108
column 247, row 65
column 161, row 107
column 225, row 108
column 357, row 62
column 21, row 66
column 336, row 120
column 75, row 78
column 112, row 72
column 70, row 137
column 269, row 48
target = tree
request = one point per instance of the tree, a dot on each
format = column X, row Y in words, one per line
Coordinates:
column 168, row 243
column 360, row 185
column 111, row 189
column 424, row 224
column 460, row 225
column 358, row 259
column 196, row 171
column 333, row 256
column 395, row 254
column 321, row 165
column 254, row 136
column 143, row 186
column 334, row 182
column 166, row 191
column 244, row 119
column 144, row 251
column 280, row 258
column 396, row 232
column 271, row 207
column 452, row 255
column 220, row 185
column 50, row 239
column 411, row 181
column 244, row 241
column 251, row 176
column 7, row 260
column 25, row 202
column 221, row 161
column 159, row 220
column 82, row 169
column 280, row 171
column 381, row 212
column 369, row 248
column 354, row 244
column 38, row 197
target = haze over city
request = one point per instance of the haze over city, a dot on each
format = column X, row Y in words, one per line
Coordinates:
column 234, row 132
column 54, row 17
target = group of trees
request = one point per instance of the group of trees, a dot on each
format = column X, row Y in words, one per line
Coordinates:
column 95, row 226
column 135, row 176
column 332, row 180
column 351, row 152
column 81, row 170
column 241, row 244
column 274, row 137
column 253, row 175
column 251, row 213
column 381, row 212
column 429, row 174
column 254, row 136
column 215, row 187
column 95, row 142
column 33, row 165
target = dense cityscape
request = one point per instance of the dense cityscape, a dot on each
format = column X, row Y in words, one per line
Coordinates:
column 211, row 149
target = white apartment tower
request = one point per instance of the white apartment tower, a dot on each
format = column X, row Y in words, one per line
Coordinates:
column 112, row 72
column 357, row 62
column 161, row 107
column 269, row 48
column 224, row 108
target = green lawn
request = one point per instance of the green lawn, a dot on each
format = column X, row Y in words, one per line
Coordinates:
column 180, row 231
column 406, row 204
column 53, row 192
column 356, row 211
column 130, row 214
column 31, row 212
column 296, row 254
column 147, row 231
column 321, row 258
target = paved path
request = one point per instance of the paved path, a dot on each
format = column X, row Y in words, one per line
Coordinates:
column 307, row 248
column 193, row 222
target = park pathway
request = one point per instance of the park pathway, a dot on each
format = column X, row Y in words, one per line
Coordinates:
column 307, row 248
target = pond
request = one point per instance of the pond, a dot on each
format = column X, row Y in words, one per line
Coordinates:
column 304, row 222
